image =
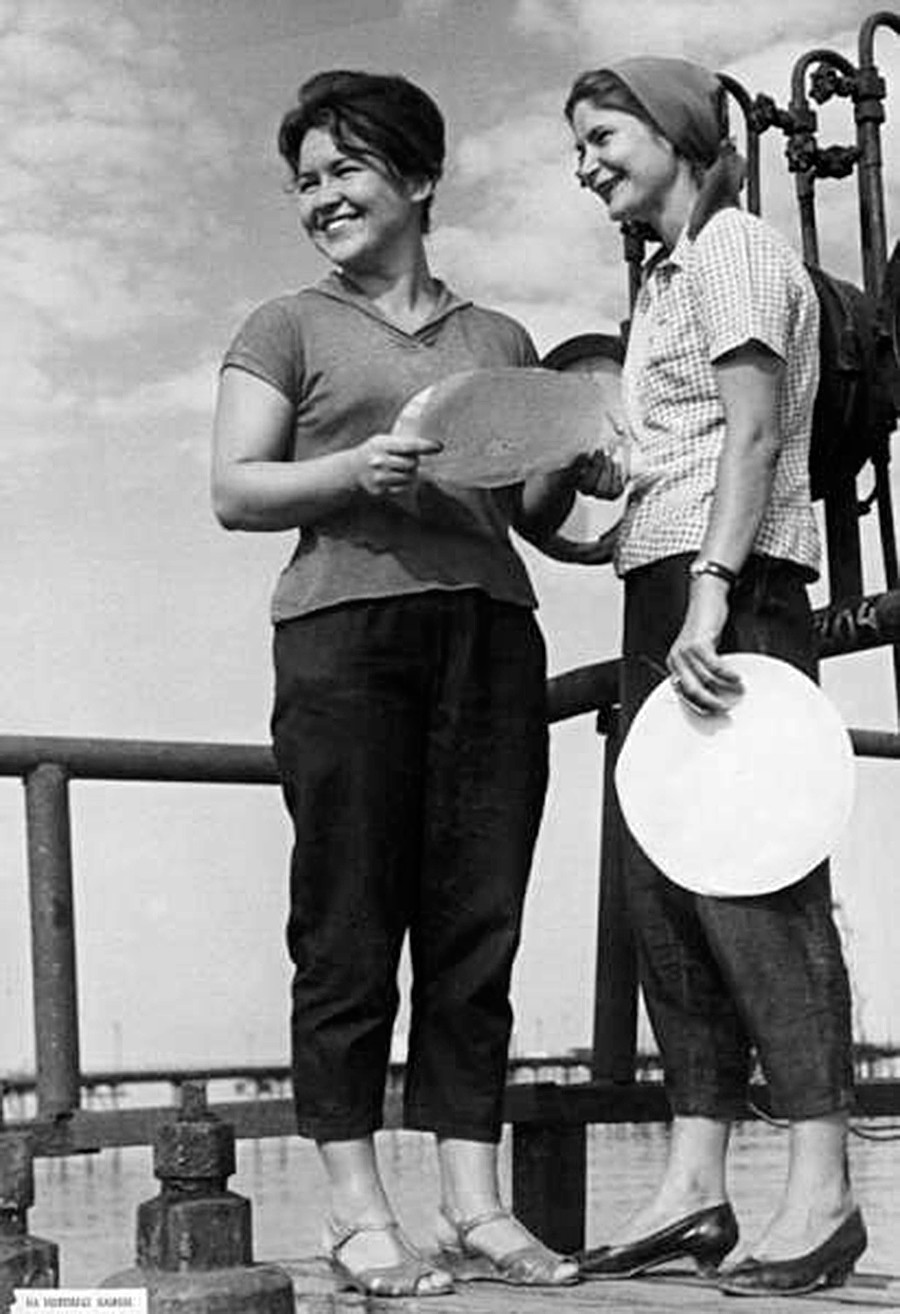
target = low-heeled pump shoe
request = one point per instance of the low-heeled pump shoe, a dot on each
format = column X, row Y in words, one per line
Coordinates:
column 705, row 1236
column 829, row 1265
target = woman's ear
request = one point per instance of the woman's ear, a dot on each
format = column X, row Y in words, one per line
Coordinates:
column 421, row 189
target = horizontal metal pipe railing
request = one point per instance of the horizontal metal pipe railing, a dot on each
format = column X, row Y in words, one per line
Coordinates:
column 185, row 762
column 577, row 693
column 150, row 761
column 264, row 1074
column 852, row 626
column 47, row 764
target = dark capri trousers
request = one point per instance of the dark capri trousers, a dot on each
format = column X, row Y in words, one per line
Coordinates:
column 411, row 739
column 721, row 977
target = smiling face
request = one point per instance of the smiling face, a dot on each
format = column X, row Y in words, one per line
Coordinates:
column 627, row 164
column 355, row 211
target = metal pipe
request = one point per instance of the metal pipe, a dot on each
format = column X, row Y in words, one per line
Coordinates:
column 52, row 941
column 614, row 1044
column 886, row 519
column 136, row 759
column 858, row 623
column 745, row 102
column 803, row 121
column 869, row 114
column 584, row 689
column 232, row 764
column 803, row 154
column 875, row 743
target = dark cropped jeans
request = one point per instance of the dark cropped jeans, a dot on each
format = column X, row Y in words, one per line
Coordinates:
column 411, row 740
column 722, row 977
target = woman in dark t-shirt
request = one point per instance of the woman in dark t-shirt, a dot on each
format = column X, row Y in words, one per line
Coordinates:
column 409, row 722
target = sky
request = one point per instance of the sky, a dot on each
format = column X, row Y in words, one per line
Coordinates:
column 144, row 213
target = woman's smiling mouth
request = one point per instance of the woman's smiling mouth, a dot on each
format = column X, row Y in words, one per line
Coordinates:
column 606, row 188
column 334, row 223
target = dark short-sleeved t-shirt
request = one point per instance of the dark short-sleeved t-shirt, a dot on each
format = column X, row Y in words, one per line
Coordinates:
column 348, row 372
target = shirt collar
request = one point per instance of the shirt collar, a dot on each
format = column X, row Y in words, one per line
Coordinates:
column 340, row 288
column 679, row 253
column 674, row 259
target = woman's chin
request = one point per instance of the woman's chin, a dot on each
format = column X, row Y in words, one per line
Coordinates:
column 619, row 214
column 619, row 210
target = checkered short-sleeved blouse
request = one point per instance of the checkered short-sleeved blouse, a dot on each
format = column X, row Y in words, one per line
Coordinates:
column 737, row 281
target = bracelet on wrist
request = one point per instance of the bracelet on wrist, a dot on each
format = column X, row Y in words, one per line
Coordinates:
column 706, row 566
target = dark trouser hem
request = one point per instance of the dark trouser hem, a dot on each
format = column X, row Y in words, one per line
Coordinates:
column 724, row 1109
column 456, row 1131
column 808, row 1110
column 737, row 1110
column 315, row 1130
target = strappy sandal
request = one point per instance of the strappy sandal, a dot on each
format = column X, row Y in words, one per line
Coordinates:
column 530, row 1265
column 405, row 1278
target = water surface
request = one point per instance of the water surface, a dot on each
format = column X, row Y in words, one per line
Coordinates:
column 88, row 1205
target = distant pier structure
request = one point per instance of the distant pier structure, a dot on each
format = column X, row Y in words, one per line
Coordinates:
column 550, row 1102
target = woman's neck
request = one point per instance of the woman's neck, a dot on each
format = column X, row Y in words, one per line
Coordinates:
column 406, row 294
column 675, row 209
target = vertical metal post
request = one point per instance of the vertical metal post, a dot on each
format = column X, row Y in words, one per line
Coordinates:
column 842, row 538
column 801, row 160
column 740, row 94
column 52, row 940
column 869, row 114
column 805, row 188
column 886, row 520
column 615, row 990
column 549, row 1182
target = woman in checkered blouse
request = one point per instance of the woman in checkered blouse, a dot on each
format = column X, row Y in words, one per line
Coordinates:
column 716, row 552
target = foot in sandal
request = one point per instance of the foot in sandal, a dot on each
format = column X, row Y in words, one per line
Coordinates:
column 378, row 1259
column 495, row 1247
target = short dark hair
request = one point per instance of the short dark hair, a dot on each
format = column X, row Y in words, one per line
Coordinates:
column 395, row 121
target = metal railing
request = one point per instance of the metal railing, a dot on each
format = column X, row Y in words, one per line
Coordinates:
column 47, row 765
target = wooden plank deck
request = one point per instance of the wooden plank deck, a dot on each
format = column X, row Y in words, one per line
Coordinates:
column 663, row 1293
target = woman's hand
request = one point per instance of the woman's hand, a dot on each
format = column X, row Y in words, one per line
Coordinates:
column 388, row 463
column 701, row 678
column 600, row 474
column 256, row 485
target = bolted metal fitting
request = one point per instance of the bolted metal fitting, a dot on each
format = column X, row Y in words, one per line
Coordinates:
column 197, row 1148
column 194, row 1239
column 25, row 1261
column 868, row 95
column 16, row 1174
column 194, row 1152
column 194, row 1222
column 826, row 81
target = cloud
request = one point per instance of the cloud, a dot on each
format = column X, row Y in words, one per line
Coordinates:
column 706, row 30
column 413, row 10
column 187, row 392
column 26, row 387
column 86, row 290
column 532, row 243
column 110, row 171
